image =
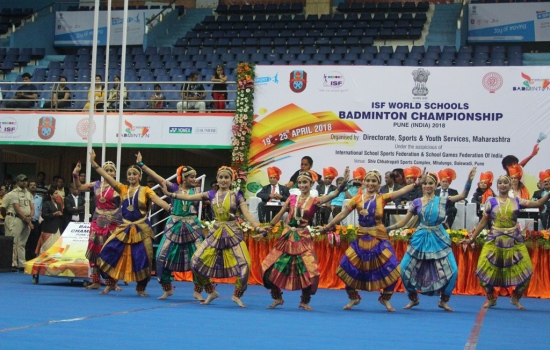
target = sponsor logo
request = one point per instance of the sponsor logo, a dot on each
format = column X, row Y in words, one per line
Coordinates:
column 333, row 79
column 492, row 81
column 266, row 80
column 7, row 126
column 532, row 84
column 46, row 127
column 180, row 130
column 83, row 127
column 298, row 81
column 206, row 130
column 420, row 77
column 135, row 131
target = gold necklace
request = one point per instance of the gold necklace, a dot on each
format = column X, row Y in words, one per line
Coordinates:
column 365, row 211
column 303, row 206
column 131, row 201
column 220, row 207
column 185, row 203
column 501, row 212
column 102, row 196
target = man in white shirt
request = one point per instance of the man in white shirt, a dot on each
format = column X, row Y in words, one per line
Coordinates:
column 74, row 206
column 329, row 174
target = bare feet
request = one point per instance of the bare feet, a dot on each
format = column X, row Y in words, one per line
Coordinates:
column 107, row 289
column 515, row 302
column 117, row 288
column 444, row 306
column 93, row 286
column 210, row 297
column 387, row 304
column 166, row 294
column 238, row 301
column 305, row 306
column 142, row 294
column 275, row 303
column 352, row 303
column 411, row 304
column 490, row 303
column 198, row 296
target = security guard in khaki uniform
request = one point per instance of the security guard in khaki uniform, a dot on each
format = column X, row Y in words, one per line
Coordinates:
column 19, row 208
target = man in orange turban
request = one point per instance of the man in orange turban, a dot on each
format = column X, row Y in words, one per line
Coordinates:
column 446, row 176
column 272, row 194
column 544, row 177
column 410, row 175
column 483, row 190
column 329, row 174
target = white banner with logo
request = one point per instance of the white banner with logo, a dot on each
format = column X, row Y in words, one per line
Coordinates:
column 509, row 22
column 396, row 117
column 154, row 130
column 75, row 28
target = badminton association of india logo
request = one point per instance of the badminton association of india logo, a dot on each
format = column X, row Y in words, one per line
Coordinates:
column 298, row 80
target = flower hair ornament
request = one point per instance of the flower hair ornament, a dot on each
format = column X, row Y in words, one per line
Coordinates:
column 184, row 171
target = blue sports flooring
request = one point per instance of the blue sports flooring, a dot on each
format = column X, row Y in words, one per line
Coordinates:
column 58, row 314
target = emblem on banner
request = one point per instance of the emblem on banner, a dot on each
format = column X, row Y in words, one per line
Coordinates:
column 82, row 128
column 298, row 81
column 492, row 81
column 420, row 77
column 46, row 127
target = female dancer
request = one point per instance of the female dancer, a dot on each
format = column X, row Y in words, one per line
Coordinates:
column 52, row 213
column 292, row 264
column 370, row 262
column 504, row 260
column 105, row 220
column 128, row 252
column 182, row 234
column 517, row 188
column 223, row 253
column 484, row 190
column 429, row 265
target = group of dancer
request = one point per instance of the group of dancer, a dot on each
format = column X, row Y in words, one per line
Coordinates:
column 120, row 245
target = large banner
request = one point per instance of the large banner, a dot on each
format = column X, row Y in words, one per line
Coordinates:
column 509, row 22
column 75, row 28
column 396, row 117
column 67, row 257
column 156, row 130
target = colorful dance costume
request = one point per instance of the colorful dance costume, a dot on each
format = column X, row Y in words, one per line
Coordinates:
column 105, row 220
column 223, row 253
column 370, row 262
column 429, row 265
column 183, row 233
column 504, row 259
column 292, row 264
column 128, row 253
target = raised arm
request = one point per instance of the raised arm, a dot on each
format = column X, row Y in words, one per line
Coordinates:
column 101, row 171
column 340, row 189
column 524, row 162
column 535, row 204
column 161, row 203
column 467, row 187
column 139, row 160
column 76, row 180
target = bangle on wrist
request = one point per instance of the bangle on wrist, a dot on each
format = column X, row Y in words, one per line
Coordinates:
column 75, row 176
column 173, row 195
column 95, row 166
column 140, row 164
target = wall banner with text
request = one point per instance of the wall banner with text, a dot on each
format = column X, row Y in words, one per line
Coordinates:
column 396, row 117
column 509, row 22
column 75, row 28
column 156, row 130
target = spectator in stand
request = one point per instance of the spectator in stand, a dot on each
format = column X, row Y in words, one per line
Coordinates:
column 61, row 96
column 398, row 176
column 192, row 95
column 113, row 99
column 219, row 89
column 25, row 96
column 98, row 95
column 156, row 101
column 8, row 182
column 305, row 165
column 60, row 186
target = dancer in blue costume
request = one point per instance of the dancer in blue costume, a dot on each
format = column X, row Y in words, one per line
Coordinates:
column 182, row 234
column 370, row 262
column 429, row 265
